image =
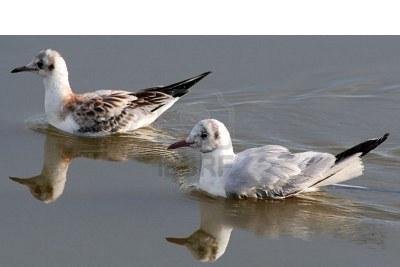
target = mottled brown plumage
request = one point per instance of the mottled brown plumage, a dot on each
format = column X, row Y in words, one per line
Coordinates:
column 100, row 112
column 113, row 111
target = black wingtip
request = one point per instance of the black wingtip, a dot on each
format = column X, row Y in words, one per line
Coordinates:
column 363, row 148
column 205, row 74
column 192, row 81
column 181, row 88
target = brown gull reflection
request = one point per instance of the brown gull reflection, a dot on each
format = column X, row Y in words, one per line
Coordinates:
column 297, row 217
column 145, row 145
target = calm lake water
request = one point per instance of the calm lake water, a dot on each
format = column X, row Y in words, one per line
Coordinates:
column 114, row 201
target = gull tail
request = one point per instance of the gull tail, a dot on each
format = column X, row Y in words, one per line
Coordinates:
column 180, row 88
column 362, row 148
column 348, row 164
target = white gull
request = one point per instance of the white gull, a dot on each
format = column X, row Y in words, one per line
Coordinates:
column 269, row 171
column 100, row 112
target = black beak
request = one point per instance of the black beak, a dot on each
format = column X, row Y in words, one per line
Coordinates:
column 179, row 144
column 24, row 68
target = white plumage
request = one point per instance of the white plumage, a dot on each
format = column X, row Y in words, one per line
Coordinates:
column 270, row 171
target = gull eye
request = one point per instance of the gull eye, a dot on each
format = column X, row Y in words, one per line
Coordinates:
column 203, row 135
column 40, row 64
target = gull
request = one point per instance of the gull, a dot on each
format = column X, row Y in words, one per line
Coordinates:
column 270, row 171
column 100, row 112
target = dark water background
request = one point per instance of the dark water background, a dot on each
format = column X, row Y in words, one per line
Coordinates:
column 123, row 195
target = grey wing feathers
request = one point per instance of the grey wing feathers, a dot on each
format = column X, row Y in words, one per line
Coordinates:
column 274, row 172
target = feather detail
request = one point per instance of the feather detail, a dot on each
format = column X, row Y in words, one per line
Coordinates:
column 109, row 111
column 274, row 172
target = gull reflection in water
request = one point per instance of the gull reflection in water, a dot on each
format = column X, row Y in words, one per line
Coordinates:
column 298, row 217
column 145, row 145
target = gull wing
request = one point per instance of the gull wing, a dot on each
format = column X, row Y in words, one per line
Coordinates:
column 111, row 111
column 274, row 172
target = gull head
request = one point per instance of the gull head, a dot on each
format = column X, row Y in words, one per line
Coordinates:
column 207, row 135
column 45, row 63
column 203, row 246
column 43, row 188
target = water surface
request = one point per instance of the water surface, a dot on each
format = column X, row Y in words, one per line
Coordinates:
column 114, row 201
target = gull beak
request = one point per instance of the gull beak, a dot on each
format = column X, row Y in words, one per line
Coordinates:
column 177, row 241
column 179, row 144
column 29, row 67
